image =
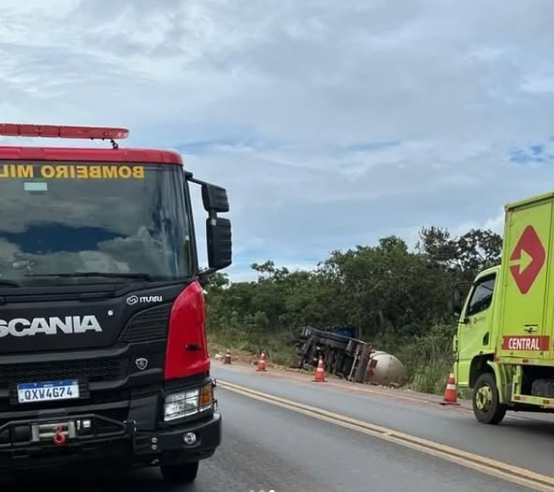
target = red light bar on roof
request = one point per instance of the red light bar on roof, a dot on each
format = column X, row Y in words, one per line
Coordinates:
column 53, row 131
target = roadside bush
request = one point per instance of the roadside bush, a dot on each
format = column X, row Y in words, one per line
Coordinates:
column 428, row 359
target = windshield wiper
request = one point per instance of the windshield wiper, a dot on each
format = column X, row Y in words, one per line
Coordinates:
column 142, row 276
column 9, row 283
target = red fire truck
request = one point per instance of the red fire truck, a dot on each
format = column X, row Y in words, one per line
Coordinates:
column 103, row 353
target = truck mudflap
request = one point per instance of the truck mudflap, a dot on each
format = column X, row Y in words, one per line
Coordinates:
column 502, row 382
column 52, row 442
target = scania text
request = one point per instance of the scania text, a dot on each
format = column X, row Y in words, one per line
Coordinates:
column 22, row 327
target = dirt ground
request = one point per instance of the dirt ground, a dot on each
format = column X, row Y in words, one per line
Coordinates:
column 246, row 361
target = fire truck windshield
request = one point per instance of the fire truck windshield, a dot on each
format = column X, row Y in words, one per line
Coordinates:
column 59, row 219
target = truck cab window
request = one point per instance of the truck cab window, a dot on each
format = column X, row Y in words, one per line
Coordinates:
column 134, row 224
column 482, row 296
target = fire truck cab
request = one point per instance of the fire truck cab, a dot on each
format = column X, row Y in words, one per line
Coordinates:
column 103, row 351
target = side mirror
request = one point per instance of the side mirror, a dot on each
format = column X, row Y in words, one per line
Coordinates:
column 457, row 301
column 218, row 230
column 214, row 198
column 220, row 243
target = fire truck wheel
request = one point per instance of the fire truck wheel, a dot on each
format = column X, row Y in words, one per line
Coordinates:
column 486, row 405
column 180, row 473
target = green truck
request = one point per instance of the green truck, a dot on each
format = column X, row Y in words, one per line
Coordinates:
column 504, row 341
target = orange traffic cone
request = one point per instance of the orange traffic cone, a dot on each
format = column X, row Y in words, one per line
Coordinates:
column 319, row 372
column 261, row 363
column 450, row 393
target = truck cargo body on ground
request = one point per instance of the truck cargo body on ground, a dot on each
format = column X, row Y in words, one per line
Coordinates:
column 505, row 340
column 103, row 351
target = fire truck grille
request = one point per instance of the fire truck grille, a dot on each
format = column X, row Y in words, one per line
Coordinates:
column 93, row 370
column 150, row 324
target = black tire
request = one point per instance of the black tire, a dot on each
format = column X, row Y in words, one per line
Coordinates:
column 486, row 406
column 180, row 473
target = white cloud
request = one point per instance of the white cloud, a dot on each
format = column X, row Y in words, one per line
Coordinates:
column 289, row 105
column 495, row 224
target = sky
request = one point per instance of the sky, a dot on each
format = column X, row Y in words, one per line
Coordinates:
column 331, row 124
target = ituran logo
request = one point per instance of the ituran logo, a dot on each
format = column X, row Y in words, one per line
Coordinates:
column 22, row 327
column 131, row 301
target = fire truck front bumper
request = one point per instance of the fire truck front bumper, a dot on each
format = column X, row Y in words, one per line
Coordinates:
column 82, row 439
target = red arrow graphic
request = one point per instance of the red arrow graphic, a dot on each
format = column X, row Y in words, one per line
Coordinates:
column 530, row 243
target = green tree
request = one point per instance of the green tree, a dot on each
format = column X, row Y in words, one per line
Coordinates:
column 466, row 255
column 393, row 297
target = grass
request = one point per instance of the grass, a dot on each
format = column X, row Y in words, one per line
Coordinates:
column 278, row 350
column 428, row 359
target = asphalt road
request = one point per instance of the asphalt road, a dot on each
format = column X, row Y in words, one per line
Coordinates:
column 524, row 440
column 267, row 447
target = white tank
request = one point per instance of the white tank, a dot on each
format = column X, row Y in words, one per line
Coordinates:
column 384, row 369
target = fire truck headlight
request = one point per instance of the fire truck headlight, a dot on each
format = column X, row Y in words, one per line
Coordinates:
column 186, row 403
column 181, row 404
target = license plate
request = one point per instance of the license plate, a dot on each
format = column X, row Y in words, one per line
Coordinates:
column 51, row 391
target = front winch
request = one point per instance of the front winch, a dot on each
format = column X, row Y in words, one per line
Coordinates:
column 63, row 433
column 58, row 433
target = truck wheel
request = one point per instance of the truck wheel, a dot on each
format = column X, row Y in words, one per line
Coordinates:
column 486, row 405
column 180, row 473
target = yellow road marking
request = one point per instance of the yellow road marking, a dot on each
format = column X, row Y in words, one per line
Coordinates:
column 511, row 473
column 352, row 387
column 371, row 391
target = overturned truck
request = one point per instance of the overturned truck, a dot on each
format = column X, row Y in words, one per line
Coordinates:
column 346, row 357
